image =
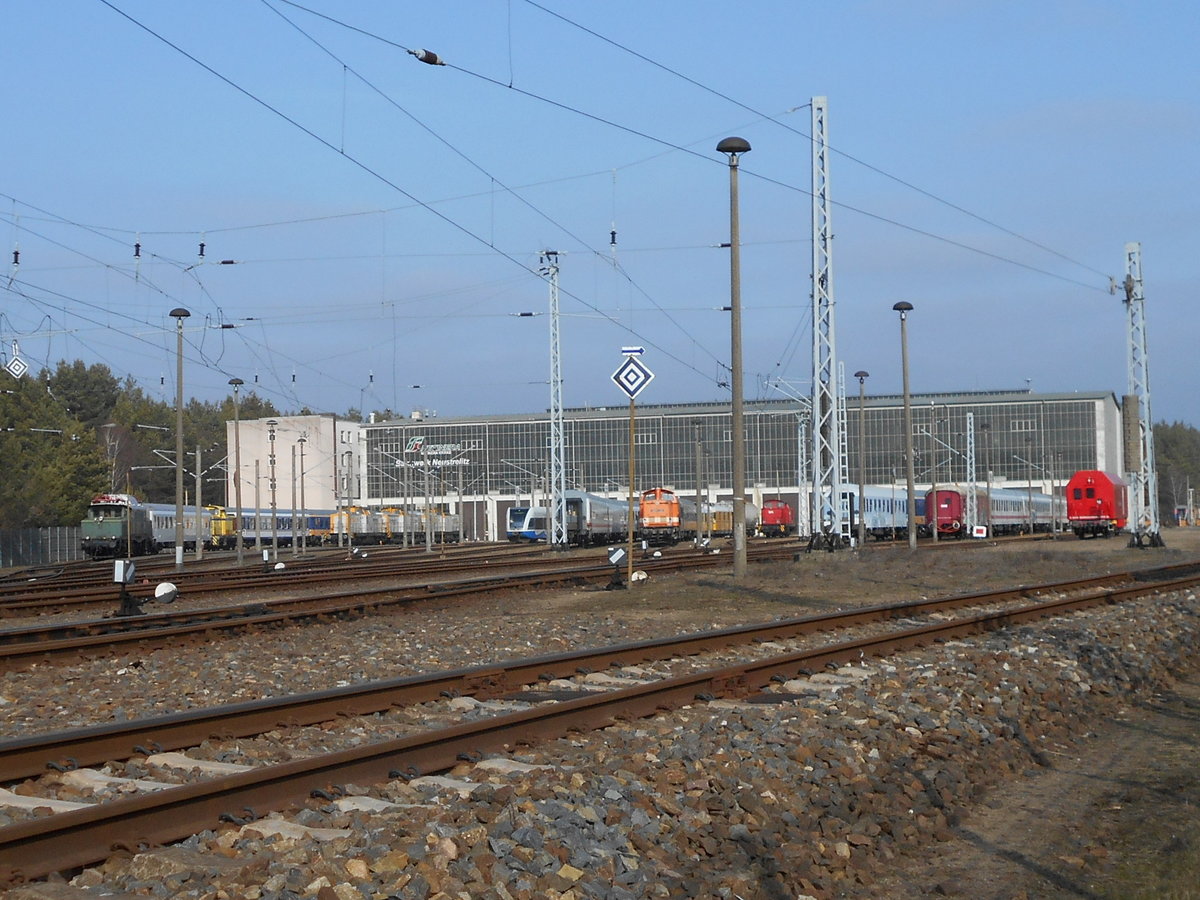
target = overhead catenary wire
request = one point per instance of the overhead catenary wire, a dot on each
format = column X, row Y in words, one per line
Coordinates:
column 632, row 249
column 368, row 169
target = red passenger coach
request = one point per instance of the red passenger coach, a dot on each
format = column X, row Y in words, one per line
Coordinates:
column 947, row 512
column 1097, row 503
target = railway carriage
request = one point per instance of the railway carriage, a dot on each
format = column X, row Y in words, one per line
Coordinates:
column 1097, row 503
column 592, row 519
column 162, row 517
column 884, row 510
column 1003, row 510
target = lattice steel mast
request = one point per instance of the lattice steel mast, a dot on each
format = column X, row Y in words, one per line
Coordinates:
column 558, row 467
column 830, row 514
column 1139, row 445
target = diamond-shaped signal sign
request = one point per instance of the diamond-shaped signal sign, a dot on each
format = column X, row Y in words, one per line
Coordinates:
column 632, row 375
column 17, row 367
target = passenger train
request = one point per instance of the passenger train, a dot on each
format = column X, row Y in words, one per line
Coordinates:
column 1002, row 510
column 591, row 519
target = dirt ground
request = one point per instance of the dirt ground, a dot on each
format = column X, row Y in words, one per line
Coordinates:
column 1118, row 821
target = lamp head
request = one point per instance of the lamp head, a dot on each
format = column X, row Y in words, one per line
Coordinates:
column 734, row 146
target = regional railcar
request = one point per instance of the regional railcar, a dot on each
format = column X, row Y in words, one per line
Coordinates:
column 591, row 519
column 526, row 523
column 1097, row 503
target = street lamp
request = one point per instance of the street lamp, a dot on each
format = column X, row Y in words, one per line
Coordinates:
column 733, row 147
column 904, row 308
column 271, row 423
column 1029, row 473
column 986, row 428
column 179, row 314
column 933, row 460
column 302, row 440
column 237, row 467
column 862, row 377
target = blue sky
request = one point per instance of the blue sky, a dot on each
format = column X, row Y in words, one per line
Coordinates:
column 385, row 218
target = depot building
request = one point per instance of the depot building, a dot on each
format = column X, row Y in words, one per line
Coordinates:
column 481, row 466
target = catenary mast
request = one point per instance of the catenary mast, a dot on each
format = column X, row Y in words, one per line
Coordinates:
column 1139, row 426
column 830, row 513
column 558, row 467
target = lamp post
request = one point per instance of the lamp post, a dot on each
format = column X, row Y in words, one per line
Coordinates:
column 986, row 428
column 904, row 308
column 931, row 516
column 302, row 440
column 1029, row 473
column 271, row 423
column 179, row 314
column 862, row 377
column 734, row 147
column 237, row 468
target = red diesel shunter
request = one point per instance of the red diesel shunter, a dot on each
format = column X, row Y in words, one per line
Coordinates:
column 777, row 520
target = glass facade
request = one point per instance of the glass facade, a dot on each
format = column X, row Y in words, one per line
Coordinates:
column 1019, row 436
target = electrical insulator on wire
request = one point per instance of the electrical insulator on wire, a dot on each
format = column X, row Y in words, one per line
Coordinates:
column 202, row 249
column 428, row 57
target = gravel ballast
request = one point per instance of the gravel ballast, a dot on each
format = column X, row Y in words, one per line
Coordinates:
column 815, row 795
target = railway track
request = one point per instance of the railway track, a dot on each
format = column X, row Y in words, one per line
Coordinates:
column 35, row 847
column 58, row 589
column 57, row 594
column 96, row 637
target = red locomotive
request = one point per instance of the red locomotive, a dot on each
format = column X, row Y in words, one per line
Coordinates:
column 778, row 519
column 1097, row 503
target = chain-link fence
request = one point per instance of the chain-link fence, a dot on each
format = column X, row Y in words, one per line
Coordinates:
column 39, row 546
